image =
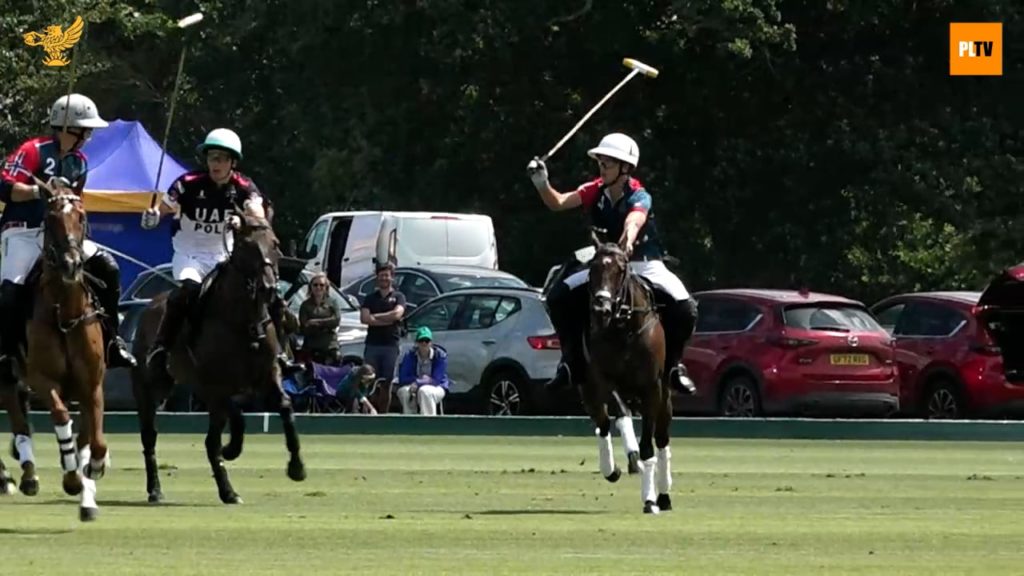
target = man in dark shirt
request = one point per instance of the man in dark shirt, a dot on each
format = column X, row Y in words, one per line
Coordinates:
column 382, row 312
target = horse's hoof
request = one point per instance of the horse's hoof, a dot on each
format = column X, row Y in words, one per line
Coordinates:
column 73, row 484
column 634, row 462
column 230, row 453
column 296, row 470
column 30, row 486
column 651, row 508
column 615, row 475
column 231, row 498
column 155, row 497
column 88, row 514
column 6, row 485
column 664, row 502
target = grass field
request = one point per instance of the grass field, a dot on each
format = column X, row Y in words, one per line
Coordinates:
column 403, row 505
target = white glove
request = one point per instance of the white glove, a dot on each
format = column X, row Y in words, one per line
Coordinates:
column 150, row 218
column 538, row 173
column 234, row 222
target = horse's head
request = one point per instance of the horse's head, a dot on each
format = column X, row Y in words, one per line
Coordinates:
column 609, row 271
column 256, row 253
column 64, row 236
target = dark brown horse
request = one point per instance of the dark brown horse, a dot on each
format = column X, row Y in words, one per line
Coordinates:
column 228, row 349
column 625, row 346
column 65, row 349
column 15, row 401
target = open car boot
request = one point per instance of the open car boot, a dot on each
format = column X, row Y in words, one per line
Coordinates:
column 1000, row 311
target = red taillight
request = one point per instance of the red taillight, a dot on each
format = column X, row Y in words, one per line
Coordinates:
column 790, row 343
column 549, row 342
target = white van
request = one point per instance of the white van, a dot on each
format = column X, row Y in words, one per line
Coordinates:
column 346, row 244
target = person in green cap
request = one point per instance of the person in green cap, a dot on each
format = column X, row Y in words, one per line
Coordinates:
column 423, row 375
column 205, row 201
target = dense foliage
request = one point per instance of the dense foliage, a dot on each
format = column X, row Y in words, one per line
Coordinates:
column 787, row 142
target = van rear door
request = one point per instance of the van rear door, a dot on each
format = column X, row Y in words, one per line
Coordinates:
column 422, row 240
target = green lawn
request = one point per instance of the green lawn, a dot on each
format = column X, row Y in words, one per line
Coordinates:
column 402, row 505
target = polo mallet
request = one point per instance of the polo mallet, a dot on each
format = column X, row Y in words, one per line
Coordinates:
column 636, row 67
column 183, row 23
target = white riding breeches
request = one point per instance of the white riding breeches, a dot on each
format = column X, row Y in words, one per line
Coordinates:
column 427, row 398
column 194, row 266
column 653, row 270
column 21, row 247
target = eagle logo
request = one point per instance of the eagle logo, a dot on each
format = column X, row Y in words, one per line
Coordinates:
column 56, row 41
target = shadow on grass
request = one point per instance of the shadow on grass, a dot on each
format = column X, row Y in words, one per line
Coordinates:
column 536, row 512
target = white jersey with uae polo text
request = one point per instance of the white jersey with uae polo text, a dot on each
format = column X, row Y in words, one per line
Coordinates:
column 204, row 207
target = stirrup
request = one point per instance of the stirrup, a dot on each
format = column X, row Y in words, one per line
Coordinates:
column 681, row 381
column 157, row 349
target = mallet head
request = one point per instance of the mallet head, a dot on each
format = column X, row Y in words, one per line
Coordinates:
column 649, row 71
column 190, row 20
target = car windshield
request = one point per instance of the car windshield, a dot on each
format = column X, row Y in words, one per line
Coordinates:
column 451, row 282
column 835, row 317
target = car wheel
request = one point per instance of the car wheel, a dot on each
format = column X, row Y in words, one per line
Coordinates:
column 739, row 398
column 943, row 401
column 507, row 394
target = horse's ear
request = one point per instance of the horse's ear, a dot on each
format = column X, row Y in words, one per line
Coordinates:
column 594, row 237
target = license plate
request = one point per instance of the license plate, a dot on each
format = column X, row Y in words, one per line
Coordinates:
column 850, row 359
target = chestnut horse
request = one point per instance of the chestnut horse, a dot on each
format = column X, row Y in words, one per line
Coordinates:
column 625, row 349
column 65, row 349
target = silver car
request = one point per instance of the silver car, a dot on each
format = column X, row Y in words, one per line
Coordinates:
column 501, row 347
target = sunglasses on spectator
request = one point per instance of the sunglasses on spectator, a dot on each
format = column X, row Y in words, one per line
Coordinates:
column 318, row 285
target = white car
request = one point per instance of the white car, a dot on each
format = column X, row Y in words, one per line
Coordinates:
column 501, row 348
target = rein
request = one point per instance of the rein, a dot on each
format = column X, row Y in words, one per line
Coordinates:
column 624, row 307
column 51, row 257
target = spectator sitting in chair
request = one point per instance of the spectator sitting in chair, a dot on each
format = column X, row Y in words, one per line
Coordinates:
column 423, row 375
column 354, row 387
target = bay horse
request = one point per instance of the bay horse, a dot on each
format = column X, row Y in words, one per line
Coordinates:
column 625, row 350
column 16, row 403
column 65, row 349
column 227, row 349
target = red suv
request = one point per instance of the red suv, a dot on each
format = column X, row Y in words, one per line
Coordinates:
column 949, row 367
column 758, row 352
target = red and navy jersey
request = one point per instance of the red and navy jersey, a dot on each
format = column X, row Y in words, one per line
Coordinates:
column 611, row 216
column 204, row 205
column 39, row 157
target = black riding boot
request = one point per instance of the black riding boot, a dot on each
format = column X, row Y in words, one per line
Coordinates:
column 179, row 305
column 565, row 313
column 678, row 321
column 104, row 268
column 12, row 331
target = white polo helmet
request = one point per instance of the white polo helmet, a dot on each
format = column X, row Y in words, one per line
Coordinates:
column 618, row 146
column 79, row 110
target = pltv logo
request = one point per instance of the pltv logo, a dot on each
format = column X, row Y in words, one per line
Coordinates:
column 975, row 49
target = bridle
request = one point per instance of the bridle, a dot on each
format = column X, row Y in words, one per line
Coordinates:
column 54, row 250
column 623, row 309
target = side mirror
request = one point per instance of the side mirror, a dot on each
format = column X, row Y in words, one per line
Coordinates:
column 352, row 300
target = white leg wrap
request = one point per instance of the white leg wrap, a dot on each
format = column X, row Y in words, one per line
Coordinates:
column 88, row 493
column 604, row 450
column 664, row 475
column 647, row 483
column 625, row 426
column 83, row 457
column 24, row 445
column 66, row 445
